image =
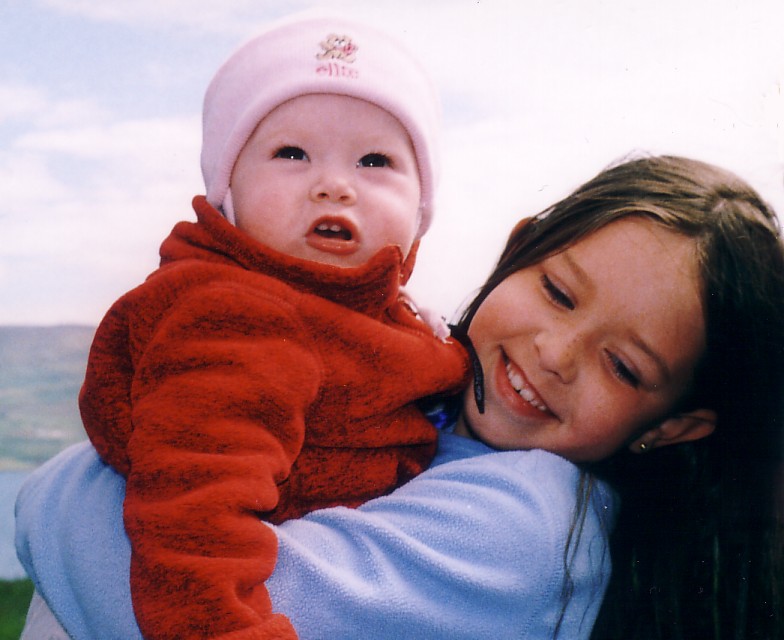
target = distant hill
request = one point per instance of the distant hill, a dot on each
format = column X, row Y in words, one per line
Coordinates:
column 41, row 370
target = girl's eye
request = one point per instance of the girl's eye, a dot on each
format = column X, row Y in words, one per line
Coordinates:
column 291, row 153
column 557, row 295
column 622, row 372
column 374, row 160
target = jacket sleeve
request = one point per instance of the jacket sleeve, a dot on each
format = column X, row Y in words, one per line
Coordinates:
column 470, row 549
column 473, row 548
column 217, row 405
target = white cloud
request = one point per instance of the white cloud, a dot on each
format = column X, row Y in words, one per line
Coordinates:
column 93, row 169
column 32, row 106
column 27, row 183
column 19, row 101
column 90, row 204
column 198, row 15
column 142, row 140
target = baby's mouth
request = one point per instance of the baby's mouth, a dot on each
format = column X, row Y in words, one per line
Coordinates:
column 523, row 387
column 334, row 231
column 334, row 235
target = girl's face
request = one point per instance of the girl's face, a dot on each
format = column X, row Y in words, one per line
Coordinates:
column 586, row 350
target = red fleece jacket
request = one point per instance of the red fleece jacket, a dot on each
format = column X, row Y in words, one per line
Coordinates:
column 238, row 383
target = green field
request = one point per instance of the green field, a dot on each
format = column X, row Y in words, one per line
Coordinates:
column 14, row 599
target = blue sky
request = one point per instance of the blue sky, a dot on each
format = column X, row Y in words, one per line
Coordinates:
column 100, row 121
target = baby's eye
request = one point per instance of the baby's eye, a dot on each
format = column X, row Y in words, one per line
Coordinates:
column 291, row 153
column 557, row 295
column 622, row 372
column 374, row 160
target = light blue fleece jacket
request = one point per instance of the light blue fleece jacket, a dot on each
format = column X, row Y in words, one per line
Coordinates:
column 472, row 548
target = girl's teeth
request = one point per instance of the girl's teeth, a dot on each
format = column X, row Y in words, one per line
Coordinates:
column 518, row 383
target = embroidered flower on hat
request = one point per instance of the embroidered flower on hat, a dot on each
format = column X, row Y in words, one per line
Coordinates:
column 337, row 47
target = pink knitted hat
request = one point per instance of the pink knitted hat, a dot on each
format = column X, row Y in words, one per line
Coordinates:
column 316, row 55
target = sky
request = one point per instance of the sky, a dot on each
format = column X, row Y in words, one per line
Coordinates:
column 100, row 121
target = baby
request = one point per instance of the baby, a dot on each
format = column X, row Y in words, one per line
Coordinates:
column 270, row 366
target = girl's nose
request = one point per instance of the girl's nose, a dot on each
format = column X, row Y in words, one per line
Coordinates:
column 333, row 188
column 559, row 353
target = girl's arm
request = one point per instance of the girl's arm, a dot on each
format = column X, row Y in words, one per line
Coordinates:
column 471, row 548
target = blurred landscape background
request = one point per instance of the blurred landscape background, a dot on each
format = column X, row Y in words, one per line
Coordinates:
column 41, row 370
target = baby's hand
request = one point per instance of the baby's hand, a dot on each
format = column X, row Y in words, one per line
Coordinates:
column 430, row 317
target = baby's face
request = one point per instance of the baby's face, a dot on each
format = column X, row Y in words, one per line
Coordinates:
column 328, row 178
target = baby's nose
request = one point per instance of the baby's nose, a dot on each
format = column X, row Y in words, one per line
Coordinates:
column 333, row 188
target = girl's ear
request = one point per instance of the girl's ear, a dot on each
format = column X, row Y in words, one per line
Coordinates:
column 684, row 427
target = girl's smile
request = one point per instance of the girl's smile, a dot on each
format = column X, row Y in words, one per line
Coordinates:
column 590, row 348
column 524, row 397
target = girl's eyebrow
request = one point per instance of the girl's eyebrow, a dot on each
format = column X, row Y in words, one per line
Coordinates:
column 661, row 365
column 585, row 280
column 579, row 273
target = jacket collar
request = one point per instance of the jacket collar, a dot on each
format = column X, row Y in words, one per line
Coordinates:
column 370, row 288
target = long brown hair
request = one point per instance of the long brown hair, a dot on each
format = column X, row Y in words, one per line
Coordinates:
column 697, row 549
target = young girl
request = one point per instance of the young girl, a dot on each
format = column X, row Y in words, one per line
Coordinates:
column 629, row 337
column 697, row 550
